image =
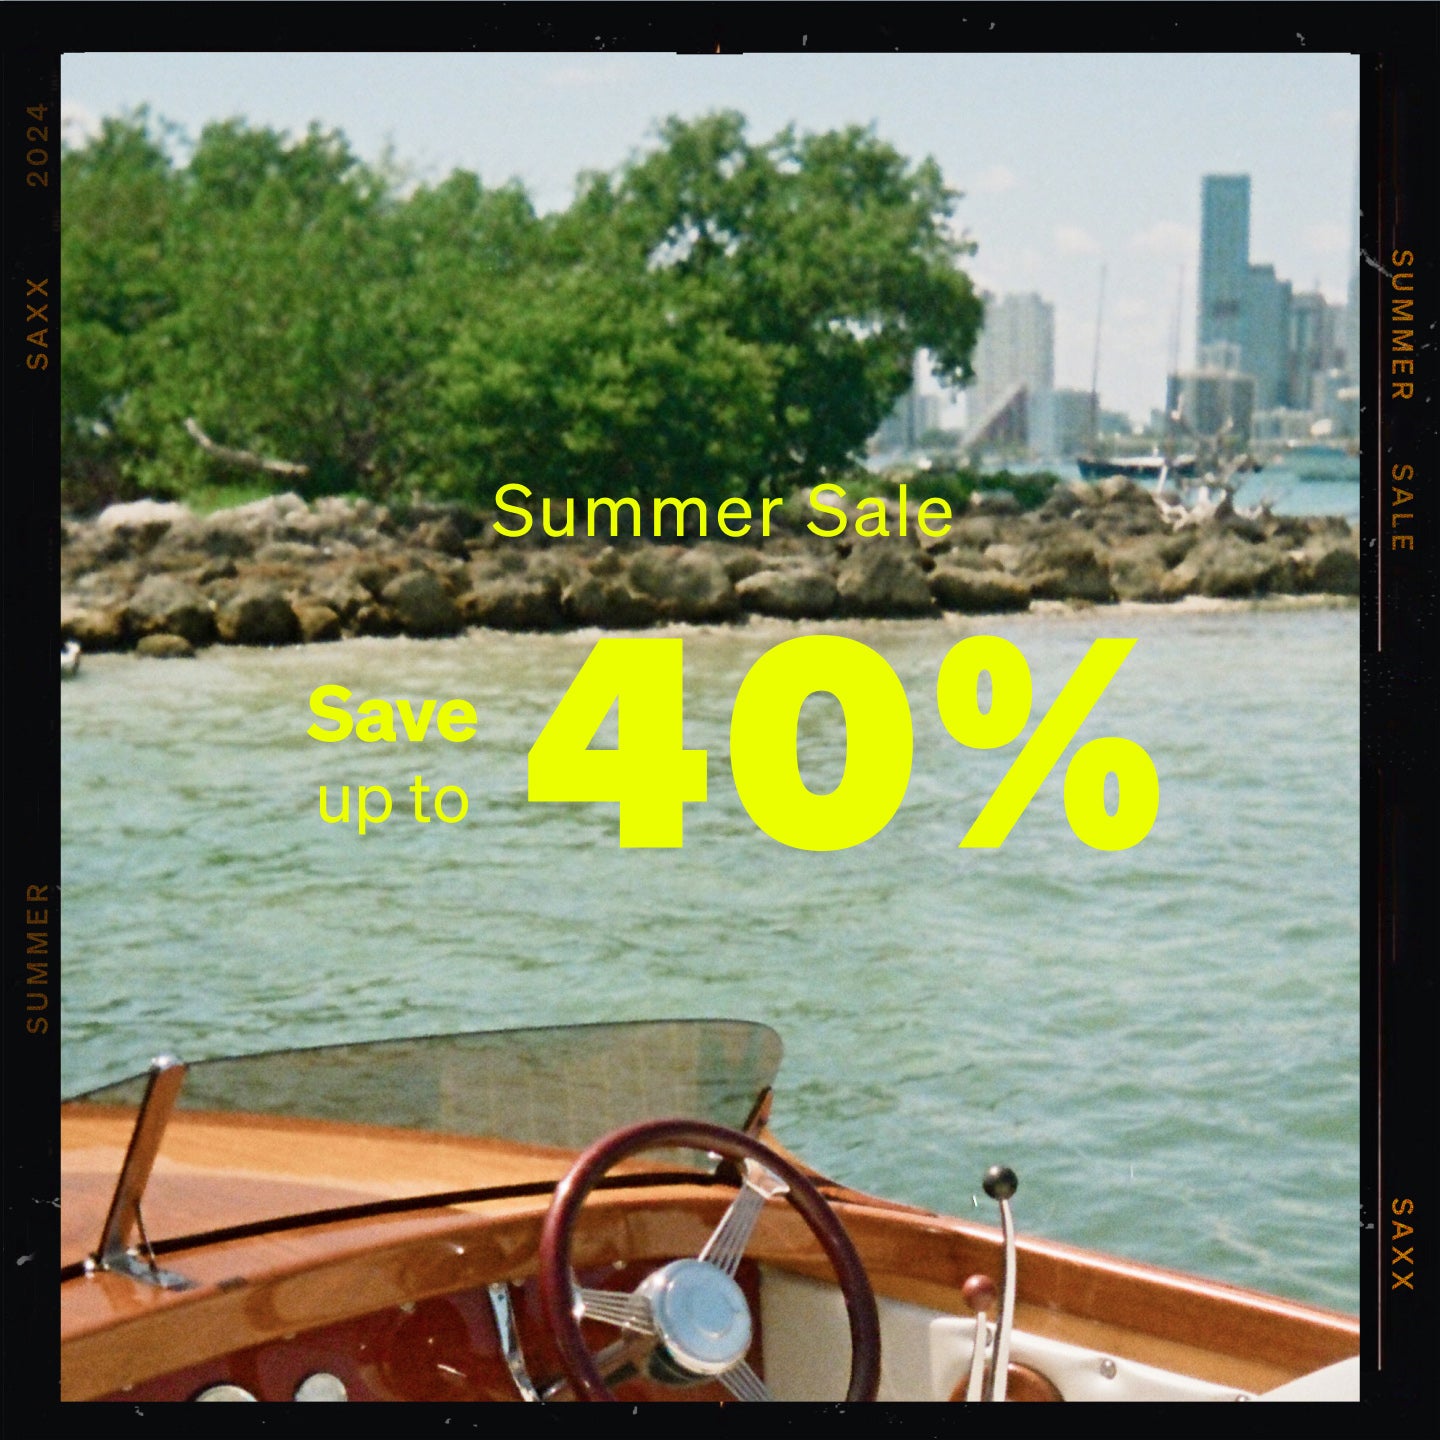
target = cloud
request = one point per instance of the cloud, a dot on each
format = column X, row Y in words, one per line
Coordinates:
column 78, row 125
column 1074, row 240
column 1167, row 239
column 1327, row 238
column 994, row 180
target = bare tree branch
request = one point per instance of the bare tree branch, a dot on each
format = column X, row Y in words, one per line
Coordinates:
column 246, row 458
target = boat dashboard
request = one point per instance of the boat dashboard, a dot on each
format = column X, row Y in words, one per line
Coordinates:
column 368, row 1223
column 444, row 1303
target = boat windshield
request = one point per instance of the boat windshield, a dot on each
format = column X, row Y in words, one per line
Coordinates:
column 554, row 1086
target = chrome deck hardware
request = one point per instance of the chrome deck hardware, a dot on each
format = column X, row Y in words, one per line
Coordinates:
column 115, row 1254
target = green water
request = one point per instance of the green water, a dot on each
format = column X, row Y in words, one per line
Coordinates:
column 1162, row 1041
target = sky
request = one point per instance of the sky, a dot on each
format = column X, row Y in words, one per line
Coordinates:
column 1069, row 164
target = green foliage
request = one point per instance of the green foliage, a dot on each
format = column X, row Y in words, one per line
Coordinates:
column 717, row 317
column 118, row 201
column 588, row 390
column 830, row 253
column 1031, row 488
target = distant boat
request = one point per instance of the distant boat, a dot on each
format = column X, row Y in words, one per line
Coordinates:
column 1318, row 460
column 1137, row 467
column 69, row 660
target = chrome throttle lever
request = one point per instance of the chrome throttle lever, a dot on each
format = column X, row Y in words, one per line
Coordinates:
column 979, row 1293
column 1000, row 1184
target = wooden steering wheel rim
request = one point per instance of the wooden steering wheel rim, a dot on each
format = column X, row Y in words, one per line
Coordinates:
column 557, row 1234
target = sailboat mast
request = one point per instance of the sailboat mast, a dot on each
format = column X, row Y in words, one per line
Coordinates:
column 1172, row 402
column 1095, row 367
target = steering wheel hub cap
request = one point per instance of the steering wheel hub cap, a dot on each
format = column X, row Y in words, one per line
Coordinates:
column 700, row 1314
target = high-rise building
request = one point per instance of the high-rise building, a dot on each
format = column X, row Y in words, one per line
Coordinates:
column 1016, row 347
column 1315, row 347
column 1351, row 363
column 917, row 413
column 1224, row 258
column 1265, row 336
column 1240, row 303
column 1062, row 424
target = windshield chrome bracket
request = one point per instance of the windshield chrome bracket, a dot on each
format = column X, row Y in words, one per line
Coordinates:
column 504, row 1313
column 141, row 1268
column 167, row 1075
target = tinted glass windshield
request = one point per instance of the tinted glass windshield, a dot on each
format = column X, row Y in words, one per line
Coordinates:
column 563, row 1086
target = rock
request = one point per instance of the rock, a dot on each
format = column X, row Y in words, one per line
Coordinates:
column 166, row 647
column 317, row 622
column 685, row 584
column 257, row 615
column 882, row 580
column 343, row 594
column 506, row 561
column 1245, row 528
column 1067, row 565
column 514, row 602
column 1225, row 567
column 977, row 531
column 1139, row 566
column 557, row 566
column 1116, row 522
column 1327, row 568
column 278, row 571
column 153, row 517
column 272, row 511
column 1124, row 490
column 375, row 619
column 608, row 562
column 286, row 552
column 740, row 562
column 993, row 502
column 98, row 627
column 964, row 557
column 92, row 550
column 609, row 602
column 1002, row 556
column 450, row 571
column 374, row 575
column 423, row 605
column 1065, row 500
column 224, row 537
column 165, row 605
column 442, row 535
column 796, row 593
column 976, row 592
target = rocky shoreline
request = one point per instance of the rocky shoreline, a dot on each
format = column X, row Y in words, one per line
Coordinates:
column 161, row 580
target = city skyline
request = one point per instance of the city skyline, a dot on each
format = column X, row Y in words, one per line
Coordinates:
column 1067, row 163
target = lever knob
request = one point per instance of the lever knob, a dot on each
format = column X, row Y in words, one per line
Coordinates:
column 979, row 1294
column 1000, row 1182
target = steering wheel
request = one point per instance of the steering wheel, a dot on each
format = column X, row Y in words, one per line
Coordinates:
column 690, row 1319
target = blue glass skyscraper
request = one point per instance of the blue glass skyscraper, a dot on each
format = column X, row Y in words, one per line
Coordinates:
column 1224, row 259
column 1241, row 305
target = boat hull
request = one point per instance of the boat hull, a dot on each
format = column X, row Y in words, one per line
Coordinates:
column 1137, row 467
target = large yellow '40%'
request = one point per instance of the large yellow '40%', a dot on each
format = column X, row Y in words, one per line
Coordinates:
column 651, row 775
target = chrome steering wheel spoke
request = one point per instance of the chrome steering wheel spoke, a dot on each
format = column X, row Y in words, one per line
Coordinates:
column 690, row 1320
column 744, row 1384
column 620, row 1308
column 725, row 1248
